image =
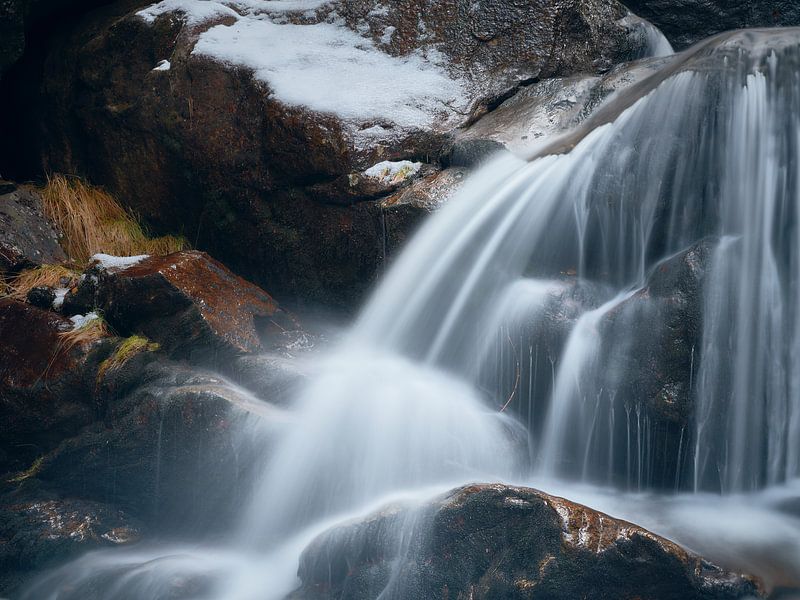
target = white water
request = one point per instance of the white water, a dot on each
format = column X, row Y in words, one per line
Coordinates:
column 530, row 295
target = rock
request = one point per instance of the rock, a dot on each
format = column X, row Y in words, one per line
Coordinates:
column 693, row 20
column 190, row 304
column 27, row 238
column 39, row 529
column 171, row 447
column 42, row 297
column 47, row 384
column 551, row 107
column 497, row 541
column 275, row 203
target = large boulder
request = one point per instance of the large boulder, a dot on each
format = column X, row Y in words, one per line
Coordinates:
column 27, row 237
column 187, row 302
column 46, row 383
column 195, row 116
column 689, row 21
column 171, row 448
column 497, row 541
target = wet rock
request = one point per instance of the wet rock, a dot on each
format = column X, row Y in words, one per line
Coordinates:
column 690, row 21
column 658, row 368
column 191, row 305
column 171, row 448
column 47, row 384
column 275, row 203
column 496, row 541
column 39, row 529
column 42, row 297
column 551, row 107
column 27, row 237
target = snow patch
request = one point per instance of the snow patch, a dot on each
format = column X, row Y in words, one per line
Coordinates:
column 194, row 11
column 58, row 301
column 388, row 32
column 393, row 172
column 79, row 321
column 117, row 263
column 325, row 67
column 163, row 65
column 330, row 69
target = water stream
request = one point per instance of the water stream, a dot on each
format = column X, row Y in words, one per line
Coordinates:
column 617, row 323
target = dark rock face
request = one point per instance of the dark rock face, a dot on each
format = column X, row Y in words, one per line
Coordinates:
column 46, row 385
column 659, row 369
column 189, row 302
column 168, row 432
column 689, row 21
column 284, row 201
column 27, row 237
column 495, row 541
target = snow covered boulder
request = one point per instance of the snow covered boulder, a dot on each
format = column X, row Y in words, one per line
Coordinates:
column 251, row 126
column 188, row 303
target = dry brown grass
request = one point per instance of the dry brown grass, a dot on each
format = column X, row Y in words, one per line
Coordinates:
column 46, row 275
column 93, row 222
column 88, row 333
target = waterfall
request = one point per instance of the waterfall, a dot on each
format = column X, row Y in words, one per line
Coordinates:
column 621, row 309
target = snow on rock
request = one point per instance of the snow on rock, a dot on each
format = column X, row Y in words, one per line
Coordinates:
column 393, row 172
column 163, row 65
column 117, row 263
column 331, row 69
column 193, row 11
column 324, row 66
column 79, row 321
column 58, row 301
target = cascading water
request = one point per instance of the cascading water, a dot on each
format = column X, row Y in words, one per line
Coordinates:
column 633, row 301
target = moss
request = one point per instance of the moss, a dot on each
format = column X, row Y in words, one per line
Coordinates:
column 30, row 472
column 128, row 348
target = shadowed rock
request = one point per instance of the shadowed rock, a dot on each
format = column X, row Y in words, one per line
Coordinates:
column 27, row 237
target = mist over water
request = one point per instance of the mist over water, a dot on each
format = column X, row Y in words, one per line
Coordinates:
column 506, row 344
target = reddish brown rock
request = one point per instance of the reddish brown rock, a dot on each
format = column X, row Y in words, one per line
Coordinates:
column 190, row 304
column 46, row 385
column 497, row 541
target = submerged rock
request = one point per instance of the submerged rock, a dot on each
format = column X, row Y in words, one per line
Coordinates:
column 497, row 541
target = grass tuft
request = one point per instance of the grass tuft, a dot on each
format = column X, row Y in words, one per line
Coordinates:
column 29, row 473
column 128, row 348
column 47, row 275
column 88, row 333
column 93, row 222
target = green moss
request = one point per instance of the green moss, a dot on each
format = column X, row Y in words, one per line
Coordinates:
column 29, row 473
column 128, row 348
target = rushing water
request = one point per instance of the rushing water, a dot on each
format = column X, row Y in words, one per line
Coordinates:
column 621, row 311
